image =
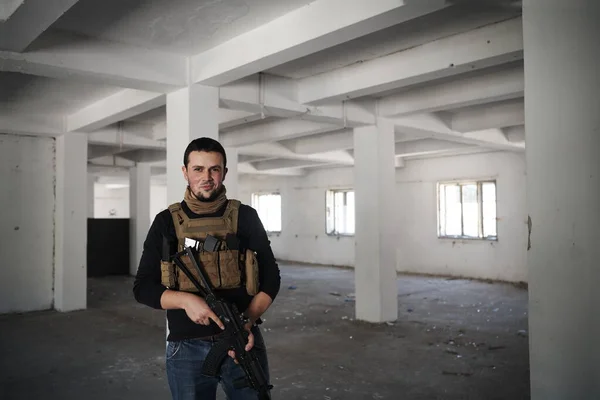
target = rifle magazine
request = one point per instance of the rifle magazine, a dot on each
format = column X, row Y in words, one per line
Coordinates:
column 215, row 357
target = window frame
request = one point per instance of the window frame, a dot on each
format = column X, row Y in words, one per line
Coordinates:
column 333, row 191
column 266, row 193
column 461, row 183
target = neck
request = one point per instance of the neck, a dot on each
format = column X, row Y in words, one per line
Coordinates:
column 205, row 206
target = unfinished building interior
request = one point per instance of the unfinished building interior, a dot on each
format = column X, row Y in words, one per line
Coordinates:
column 427, row 172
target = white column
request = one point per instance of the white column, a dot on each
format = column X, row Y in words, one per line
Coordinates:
column 232, row 178
column 139, row 212
column 192, row 112
column 91, row 180
column 375, row 249
column 562, row 125
column 70, row 241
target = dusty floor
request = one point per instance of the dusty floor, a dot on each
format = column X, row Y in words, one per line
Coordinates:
column 455, row 339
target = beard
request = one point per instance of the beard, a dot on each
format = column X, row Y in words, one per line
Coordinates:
column 211, row 197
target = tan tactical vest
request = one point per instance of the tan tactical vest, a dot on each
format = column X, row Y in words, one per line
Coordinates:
column 226, row 268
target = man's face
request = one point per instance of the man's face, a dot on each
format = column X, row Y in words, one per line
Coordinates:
column 205, row 174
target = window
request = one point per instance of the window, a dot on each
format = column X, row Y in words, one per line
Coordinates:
column 268, row 206
column 467, row 210
column 340, row 212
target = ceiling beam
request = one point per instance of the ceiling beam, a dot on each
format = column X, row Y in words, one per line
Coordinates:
column 229, row 119
column 129, row 103
column 129, row 135
column 451, row 153
column 242, row 158
column 267, row 150
column 105, row 171
column 427, row 147
column 479, row 48
column 415, row 148
column 273, row 96
column 111, row 161
column 36, row 125
column 494, row 135
column 498, row 115
column 273, row 131
column 29, row 21
column 7, row 9
column 474, row 90
column 274, row 150
column 342, row 139
column 98, row 151
column 279, row 164
column 431, row 126
column 515, row 134
column 247, row 168
column 117, row 107
column 248, row 100
column 145, row 155
column 311, row 28
column 66, row 57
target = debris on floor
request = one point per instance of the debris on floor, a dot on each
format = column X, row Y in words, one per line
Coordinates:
column 309, row 331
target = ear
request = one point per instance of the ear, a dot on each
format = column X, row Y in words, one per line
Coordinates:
column 225, row 173
column 184, row 170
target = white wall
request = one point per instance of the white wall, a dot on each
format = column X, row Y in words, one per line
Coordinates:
column 303, row 236
column 158, row 200
column 117, row 199
column 419, row 249
column 27, row 202
column 108, row 199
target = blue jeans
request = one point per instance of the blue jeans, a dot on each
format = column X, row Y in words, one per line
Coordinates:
column 184, row 361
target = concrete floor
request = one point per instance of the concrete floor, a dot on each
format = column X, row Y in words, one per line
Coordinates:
column 455, row 339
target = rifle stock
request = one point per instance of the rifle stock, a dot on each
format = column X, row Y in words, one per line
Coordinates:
column 235, row 336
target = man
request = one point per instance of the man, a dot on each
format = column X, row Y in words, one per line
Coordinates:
column 192, row 326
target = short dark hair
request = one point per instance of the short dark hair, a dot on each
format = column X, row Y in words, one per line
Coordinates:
column 204, row 144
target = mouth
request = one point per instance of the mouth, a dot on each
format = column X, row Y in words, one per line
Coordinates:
column 206, row 187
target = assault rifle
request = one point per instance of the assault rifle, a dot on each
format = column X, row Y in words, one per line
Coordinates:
column 235, row 336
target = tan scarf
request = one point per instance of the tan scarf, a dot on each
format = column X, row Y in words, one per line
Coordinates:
column 205, row 207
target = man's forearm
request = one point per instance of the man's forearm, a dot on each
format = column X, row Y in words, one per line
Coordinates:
column 259, row 304
column 172, row 299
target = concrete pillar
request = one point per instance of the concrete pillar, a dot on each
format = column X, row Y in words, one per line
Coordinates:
column 192, row 112
column 70, row 241
column 91, row 181
column 139, row 212
column 375, row 249
column 562, row 125
column 232, row 178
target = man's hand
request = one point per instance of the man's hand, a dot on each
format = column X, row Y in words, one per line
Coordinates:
column 199, row 312
column 259, row 304
column 249, row 344
column 195, row 307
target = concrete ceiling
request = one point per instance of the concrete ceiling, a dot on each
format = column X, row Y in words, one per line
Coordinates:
column 22, row 93
column 450, row 77
column 181, row 26
column 428, row 28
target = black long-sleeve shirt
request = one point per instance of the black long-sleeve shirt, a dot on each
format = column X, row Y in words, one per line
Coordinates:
column 148, row 289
